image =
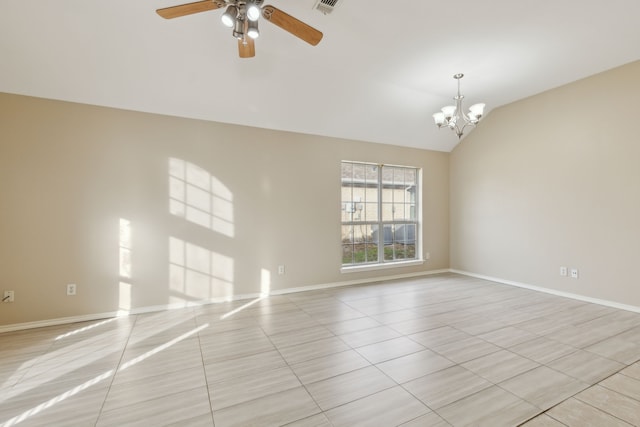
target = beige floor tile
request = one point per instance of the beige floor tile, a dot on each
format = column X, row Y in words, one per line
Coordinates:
column 478, row 325
column 312, row 350
column 396, row 316
column 539, row 325
column 390, row 349
column 623, row 384
column 241, row 389
column 466, row 349
column 318, row 420
column 543, row 420
column 373, row 306
column 341, row 389
column 329, row 366
column 300, row 336
column 213, row 351
column 413, row 326
column 284, row 322
column 491, row 407
column 369, row 336
column 587, row 367
column 617, row 349
column 273, row 410
column 574, row 413
column 613, row 403
column 439, row 336
column 415, row 365
column 352, row 325
column 542, row 350
column 142, row 362
column 334, row 315
column 632, row 335
column 447, row 386
column 431, row 420
column 581, row 336
column 508, row 336
column 500, row 366
column 386, row 408
column 202, row 420
column 543, row 387
column 253, row 364
column 152, row 387
column 632, row 371
column 171, row 408
column 58, row 405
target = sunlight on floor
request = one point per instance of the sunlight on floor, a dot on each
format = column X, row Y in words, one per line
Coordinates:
column 72, row 392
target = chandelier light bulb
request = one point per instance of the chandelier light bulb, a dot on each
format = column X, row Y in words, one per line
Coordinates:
column 449, row 111
column 438, row 118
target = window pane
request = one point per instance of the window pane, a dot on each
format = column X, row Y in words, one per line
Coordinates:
column 398, row 211
column 358, row 244
column 387, row 212
column 373, row 198
column 372, row 173
column 358, row 173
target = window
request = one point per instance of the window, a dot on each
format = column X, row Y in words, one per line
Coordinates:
column 379, row 214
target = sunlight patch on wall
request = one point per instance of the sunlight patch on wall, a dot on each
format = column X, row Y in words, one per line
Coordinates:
column 124, row 302
column 198, row 274
column 124, row 288
column 265, row 282
column 125, row 248
column 199, row 197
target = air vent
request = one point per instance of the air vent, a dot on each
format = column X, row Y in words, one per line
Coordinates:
column 327, row 6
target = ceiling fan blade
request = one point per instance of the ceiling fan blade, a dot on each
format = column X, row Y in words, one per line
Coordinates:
column 189, row 8
column 247, row 48
column 292, row 25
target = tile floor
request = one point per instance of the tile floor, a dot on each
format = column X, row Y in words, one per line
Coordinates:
column 443, row 350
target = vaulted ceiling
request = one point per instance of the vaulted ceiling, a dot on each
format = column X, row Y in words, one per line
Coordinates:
column 379, row 73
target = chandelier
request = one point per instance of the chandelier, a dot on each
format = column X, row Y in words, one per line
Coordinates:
column 453, row 117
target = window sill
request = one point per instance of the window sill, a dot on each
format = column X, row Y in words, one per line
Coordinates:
column 373, row 267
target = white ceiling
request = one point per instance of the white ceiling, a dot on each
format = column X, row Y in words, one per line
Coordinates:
column 381, row 70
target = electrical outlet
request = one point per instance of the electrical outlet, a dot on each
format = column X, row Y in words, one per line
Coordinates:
column 563, row 271
column 574, row 273
column 71, row 289
column 8, row 296
column 427, row 256
column 281, row 269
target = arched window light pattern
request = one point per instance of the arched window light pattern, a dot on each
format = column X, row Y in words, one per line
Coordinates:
column 198, row 274
column 199, row 197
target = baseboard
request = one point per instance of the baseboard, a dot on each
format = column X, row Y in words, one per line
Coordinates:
column 163, row 307
column 578, row 297
column 357, row 282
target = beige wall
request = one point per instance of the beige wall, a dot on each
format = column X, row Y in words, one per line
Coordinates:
column 554, row 180
column 71, row 174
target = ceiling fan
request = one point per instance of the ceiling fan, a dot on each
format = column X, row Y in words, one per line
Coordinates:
column 242, row 16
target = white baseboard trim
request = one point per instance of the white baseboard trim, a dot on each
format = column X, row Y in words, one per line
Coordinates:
column 357, row 282
column 578, row 297
column 173, row 306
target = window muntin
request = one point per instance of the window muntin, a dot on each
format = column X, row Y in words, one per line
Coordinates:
column 379, row 197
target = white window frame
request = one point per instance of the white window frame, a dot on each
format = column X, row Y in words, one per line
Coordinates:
column 380, row 223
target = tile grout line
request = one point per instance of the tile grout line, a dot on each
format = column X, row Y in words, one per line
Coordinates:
column 115, row 371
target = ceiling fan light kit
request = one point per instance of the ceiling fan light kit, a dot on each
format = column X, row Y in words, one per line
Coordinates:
column 242, row 17
column 453, row 116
